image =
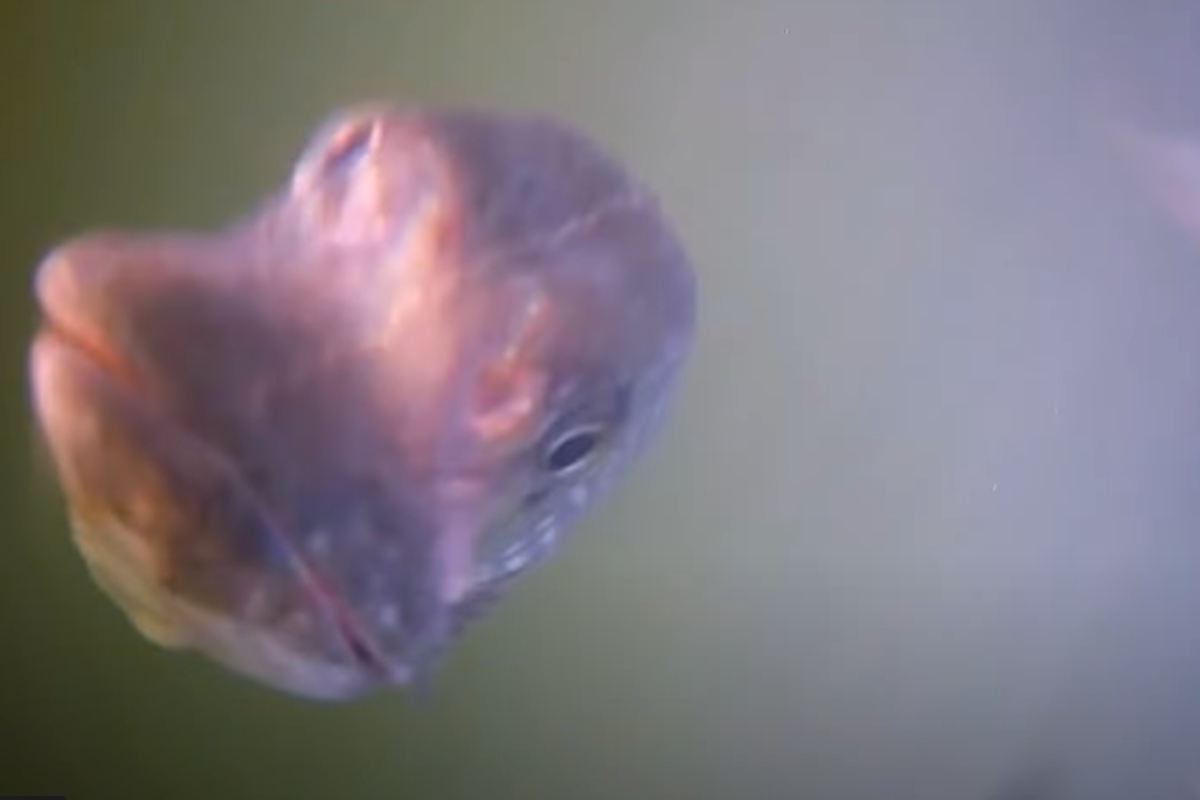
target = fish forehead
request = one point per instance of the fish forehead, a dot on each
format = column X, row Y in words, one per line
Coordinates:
column 517, row 181
column 514, row 213
column 505, row 197
column 329, row 344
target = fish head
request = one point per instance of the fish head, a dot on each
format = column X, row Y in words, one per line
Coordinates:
column 317, row 443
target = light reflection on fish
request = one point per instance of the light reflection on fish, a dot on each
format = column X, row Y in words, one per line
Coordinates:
column 1168, row 166
column 1138, row 63
column 316, row 444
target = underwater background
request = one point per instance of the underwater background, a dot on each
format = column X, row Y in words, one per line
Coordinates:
column 922, row 526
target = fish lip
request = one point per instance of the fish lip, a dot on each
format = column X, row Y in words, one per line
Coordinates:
column 101, row 354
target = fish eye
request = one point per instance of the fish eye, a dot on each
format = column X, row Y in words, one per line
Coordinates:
column 572, row 449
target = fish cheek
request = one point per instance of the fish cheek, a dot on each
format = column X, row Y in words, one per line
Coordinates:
column 173, row 536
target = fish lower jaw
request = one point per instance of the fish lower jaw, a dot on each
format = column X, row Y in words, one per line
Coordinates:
column 126, row 571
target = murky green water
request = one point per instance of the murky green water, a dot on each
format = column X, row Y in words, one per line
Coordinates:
column 924, row 520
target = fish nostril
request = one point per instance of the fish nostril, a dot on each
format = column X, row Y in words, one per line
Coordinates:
column 338, row 151
column 350, row 146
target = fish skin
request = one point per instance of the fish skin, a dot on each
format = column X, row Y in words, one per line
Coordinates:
column 316, row 444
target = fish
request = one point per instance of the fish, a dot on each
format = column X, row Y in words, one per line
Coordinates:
column 317, row 443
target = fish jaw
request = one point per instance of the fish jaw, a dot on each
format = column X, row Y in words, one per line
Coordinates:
column 144, row 499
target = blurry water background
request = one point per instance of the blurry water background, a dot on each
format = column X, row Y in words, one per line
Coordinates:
column 923, row 527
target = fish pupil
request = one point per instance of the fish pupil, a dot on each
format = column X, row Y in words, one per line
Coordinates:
column 571, row 450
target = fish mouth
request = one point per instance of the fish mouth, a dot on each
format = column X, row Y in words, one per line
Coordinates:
column 142, row 492
column 102, row 356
